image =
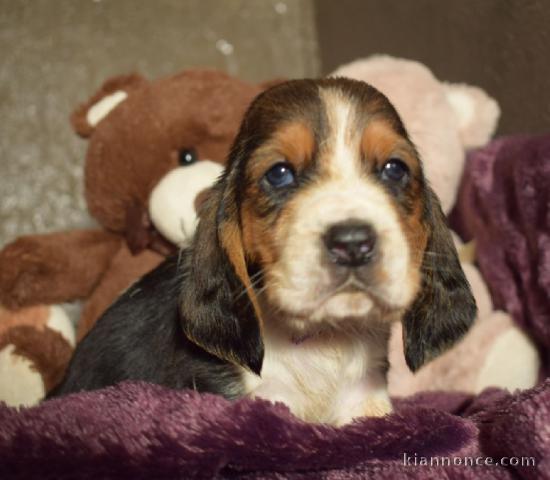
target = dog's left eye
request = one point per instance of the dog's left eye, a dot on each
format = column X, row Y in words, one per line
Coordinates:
column 280, row 175
column 395, row 171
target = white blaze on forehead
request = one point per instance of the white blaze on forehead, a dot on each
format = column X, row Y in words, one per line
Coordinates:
column 343, row 161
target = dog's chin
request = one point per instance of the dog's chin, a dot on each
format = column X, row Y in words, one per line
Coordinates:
column 343, row 305
column 341, row 310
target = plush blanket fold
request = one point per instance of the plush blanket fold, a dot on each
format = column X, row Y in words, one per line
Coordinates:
column 138, row 430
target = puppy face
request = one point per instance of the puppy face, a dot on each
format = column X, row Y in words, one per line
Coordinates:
column 324, row 216
column 332, row 206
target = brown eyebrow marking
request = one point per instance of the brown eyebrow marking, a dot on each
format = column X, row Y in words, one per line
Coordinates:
column 292, row 142
column 380, row 141
column 296, row 142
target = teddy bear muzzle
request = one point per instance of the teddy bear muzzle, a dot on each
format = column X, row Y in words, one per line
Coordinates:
column 174, row 202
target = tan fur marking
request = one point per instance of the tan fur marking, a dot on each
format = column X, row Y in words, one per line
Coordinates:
column 257, row 237
column 293, row 142
column 380, row 141
column 231, row 240
column 416, row 232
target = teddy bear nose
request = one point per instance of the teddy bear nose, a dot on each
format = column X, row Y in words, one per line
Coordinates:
column 201, row 198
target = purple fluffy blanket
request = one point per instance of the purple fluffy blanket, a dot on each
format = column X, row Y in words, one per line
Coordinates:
column 138, row 431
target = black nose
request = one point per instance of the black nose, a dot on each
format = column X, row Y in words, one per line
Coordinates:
column 350, row 244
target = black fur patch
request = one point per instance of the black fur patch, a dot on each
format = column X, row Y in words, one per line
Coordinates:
column 445, row 307
column 140, row 338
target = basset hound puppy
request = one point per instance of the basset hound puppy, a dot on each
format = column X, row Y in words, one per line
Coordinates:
column 320, row 233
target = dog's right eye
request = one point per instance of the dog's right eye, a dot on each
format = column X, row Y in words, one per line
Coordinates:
column 280, row 175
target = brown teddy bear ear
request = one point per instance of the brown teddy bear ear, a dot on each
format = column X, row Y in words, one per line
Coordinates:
column 115, row 90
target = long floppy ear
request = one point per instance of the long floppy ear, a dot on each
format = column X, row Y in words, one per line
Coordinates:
column 219, row 311
column 444, row 308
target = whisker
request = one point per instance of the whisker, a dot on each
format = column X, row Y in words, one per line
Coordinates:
column 254, row 280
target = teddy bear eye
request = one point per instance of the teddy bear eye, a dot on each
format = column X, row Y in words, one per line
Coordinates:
column 187, row 156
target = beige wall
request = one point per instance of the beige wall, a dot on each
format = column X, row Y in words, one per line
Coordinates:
column 55, row 53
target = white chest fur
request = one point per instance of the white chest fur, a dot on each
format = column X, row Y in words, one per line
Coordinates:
column 330, row 377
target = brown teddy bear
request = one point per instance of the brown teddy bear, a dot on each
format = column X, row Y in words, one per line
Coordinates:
column 154, row 150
